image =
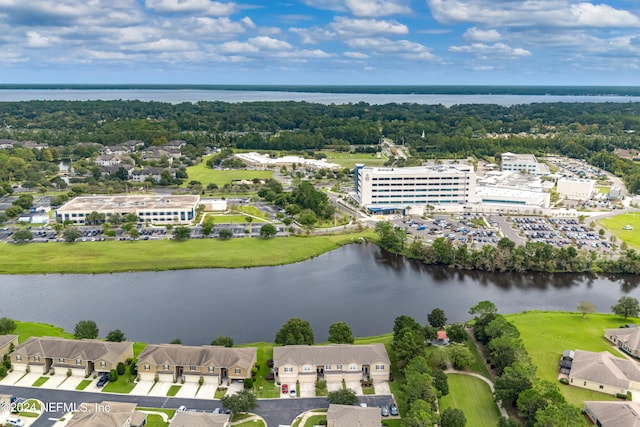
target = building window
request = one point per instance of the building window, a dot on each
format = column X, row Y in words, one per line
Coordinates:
column 147, row 367
column 165, row 367
column 61, row 359
column 379, row 367
column 585, row 383
column 78, row 362
column 192, row 368
column 339, row 367
column 35, row 358
column 288, row 370
column 353, row 367
column 103, row 364
column 18, row 358
column 601, row 387
column 210, row 368
column 327, row 367
column 237, row 371
column 306, row 368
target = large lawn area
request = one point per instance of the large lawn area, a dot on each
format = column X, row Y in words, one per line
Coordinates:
column 147, row 255
column 25, row 330
column 474, row 397
column 349, row 160
column 547, row 334
column 206, row 175
column 615, row 225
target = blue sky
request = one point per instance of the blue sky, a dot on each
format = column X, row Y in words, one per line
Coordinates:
column 378, row 42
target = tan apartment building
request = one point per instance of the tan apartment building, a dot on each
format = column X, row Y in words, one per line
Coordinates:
column 353, row 416
column 331, row 363
column 200, row 419
column 5, row 344
column 604, row 372
column 627, row 339
column 80, row 357
column 107, row 414
column 214, row 364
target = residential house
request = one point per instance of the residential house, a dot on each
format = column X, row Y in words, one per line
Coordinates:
column 353, row 416
column 175, row 144
column 200, row 419
column 441, row 339
column 604, row 372
column 6, row 143
column 5, row 344
column 627, row 339
column 142, row 175
column 109, row 160
column 330, row 363
column 116, row 150
column 133, row 144
column 80, row 357
column 107, row 414
column 613, row 414
column 157, row 153
column 214, row 364
column 30, row 145
column 111, row 170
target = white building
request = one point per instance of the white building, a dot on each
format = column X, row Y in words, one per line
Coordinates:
column 387, row 189
column 512, row 190
column 156, row 209
column 263, row 161
column 576, row 188
column 523, row 162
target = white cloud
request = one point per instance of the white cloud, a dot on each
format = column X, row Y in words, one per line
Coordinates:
column 313, row 35
column 192, row 6
column 365, row 27
column 483, row 50
column 163, row 45
column 37, row 40
column 529, row 13
column 364, row 8
column 486, row 36
column 400, row 48
column 356, row 55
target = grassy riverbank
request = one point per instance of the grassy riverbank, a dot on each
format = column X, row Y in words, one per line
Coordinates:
column 146, row 255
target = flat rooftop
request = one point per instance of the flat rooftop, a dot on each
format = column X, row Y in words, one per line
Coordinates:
column 116, row 203
column 421, row 170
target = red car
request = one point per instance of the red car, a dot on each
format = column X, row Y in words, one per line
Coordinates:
column 285, row 389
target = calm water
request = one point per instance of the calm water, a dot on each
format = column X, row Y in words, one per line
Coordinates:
column 176, row 96
column 360, row 284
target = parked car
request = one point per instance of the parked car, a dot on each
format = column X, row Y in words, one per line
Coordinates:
column 384, row 411
column 293, row 392
column 217, row 411
column 13, row 421
column 393, row 409
column 363, row 405
column 182, row 408
column 103, row 380
column 285, row 389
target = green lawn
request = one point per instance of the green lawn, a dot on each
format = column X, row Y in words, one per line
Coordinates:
column 547, row 334
column 229, row 219
column 83, row 384
column 254, row 423
column 474, row 397
column 124, row 384
column 154, row 420
column 147, row 255
column 478, row 365
column 40, row 381
column 269, row 388
column 349, row 160
column 314, row 420
column 398, row 423
column 173, row 390
column 170, row 412
column 137, row 348
column 251, row 210
column 615, row 225
column 206, row 175
column 603, row 189
column 25, row 330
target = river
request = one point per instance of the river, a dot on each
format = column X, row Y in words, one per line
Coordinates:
column 176, row 96
column 360, row 284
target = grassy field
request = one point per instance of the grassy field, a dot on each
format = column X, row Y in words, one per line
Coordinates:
column 547, row 334
column 207, row 176
column 349, row 160
column 138, row 347
column 615, row 224
column 25, row 330
column 228, row 219
column 263, row 387
column 154, row 420
column 474, row 397
column 147, row 255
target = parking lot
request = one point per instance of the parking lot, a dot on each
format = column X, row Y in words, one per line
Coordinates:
column 559, row 232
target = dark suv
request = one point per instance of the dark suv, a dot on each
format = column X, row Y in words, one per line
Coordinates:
column 103, row 380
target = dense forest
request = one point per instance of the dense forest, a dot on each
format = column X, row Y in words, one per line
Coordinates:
column 589, row 131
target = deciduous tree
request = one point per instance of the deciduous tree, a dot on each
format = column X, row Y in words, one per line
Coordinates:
column 268, row 231
column 437, row 318
column 7, row 325
column 626, row 307
column 453, row 417
column 223, row 341
column 116, row 336
column 86, row 329
column 343, row 397
column 242, row 401
column 340, row 333
column 585, row 307
column 295, row 331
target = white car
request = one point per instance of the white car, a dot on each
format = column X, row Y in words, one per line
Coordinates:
column 13, row 421
column 182, row 408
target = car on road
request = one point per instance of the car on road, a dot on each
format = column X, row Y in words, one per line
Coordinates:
column 384, row 411
column 182, row 408
column 285, row 389
column 393, row 409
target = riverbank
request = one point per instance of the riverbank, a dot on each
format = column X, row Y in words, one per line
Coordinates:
column 161, row 255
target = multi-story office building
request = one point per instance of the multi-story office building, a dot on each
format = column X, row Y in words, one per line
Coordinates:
column 523, row 163
column 387, row 189
column 155, row 209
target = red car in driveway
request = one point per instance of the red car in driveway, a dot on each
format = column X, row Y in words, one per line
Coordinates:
column 285, row 389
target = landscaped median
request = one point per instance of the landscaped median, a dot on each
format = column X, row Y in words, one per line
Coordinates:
column 147, row 255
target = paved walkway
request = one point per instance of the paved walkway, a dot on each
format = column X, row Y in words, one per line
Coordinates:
column 303, row 418
column 253, row 417
column 503, row 411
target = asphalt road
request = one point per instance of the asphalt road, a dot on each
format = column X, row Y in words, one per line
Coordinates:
column 274, row 411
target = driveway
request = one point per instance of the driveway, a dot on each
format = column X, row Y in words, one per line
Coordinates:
column 12, row 378
column 188, row 390
column 161, row 389
column 334, row 386
column 234, row 388
column 70, row 383
column 29, row 379
column 355, row 386
column 207, row 391
column 382, row 388
column 141, row 389
column 307, row 390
